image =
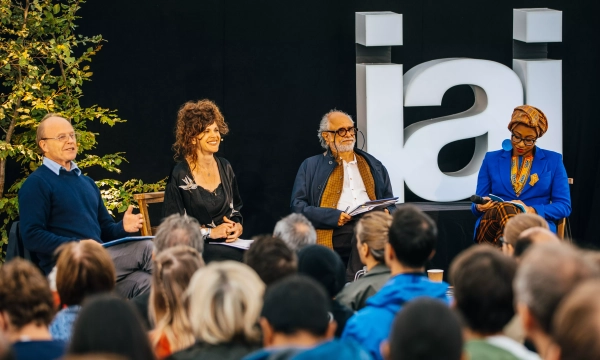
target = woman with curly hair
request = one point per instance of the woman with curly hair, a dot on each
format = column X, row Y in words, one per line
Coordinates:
column 203, row 185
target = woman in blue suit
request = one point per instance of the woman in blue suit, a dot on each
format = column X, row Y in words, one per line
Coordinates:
column 534, row 177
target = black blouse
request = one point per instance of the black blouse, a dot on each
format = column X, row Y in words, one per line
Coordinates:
column 184, row 196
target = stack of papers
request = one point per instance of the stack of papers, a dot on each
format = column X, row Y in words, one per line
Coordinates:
column 372, row 205
column 239, row 244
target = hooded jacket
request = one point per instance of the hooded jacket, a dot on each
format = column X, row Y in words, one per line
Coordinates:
column 371, row 325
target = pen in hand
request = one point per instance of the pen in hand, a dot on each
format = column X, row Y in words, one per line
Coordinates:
column 346, row 211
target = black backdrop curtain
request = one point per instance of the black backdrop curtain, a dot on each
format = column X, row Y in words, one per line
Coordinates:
column 275, row 67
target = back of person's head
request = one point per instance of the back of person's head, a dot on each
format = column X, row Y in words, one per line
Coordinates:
column 24, row 295
column 482, row 277
column 83, row 268
column 296, row 231
column 271, row 258
column 172, row 272
column 323, row 265
column 372, row 230
column 297, row 303
column 425, row 329
column 576, row 324
column 179, row 230
column 225, row 299
column 95, row 357
column 412, row 236
column 109, row 325
column 519, row 223
column 534, row 235
column 546, row 274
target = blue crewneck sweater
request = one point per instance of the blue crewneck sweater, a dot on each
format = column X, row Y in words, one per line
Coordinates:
column 55, row 209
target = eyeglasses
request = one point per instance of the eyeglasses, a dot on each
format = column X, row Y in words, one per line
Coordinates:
column 64, row 137
column 343, row 131
column 517, row 139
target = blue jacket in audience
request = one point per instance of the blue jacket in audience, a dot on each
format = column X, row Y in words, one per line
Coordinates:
column 371, row 325
column 61, row 327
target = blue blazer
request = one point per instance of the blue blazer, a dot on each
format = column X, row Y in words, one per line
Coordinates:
column 549, row 196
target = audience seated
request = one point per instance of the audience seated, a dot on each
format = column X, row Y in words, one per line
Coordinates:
column 296, row 231
column 371, row 235
column 483, row 294
column 174, row 230
column 173, row 269
column 296, row 324
column 83, row 268
column 546, row 274
column 534, row 235
column 325, row 266
column 225, row 299
column 26, row 309
column 109, row 325
column 271, row 258
column 516, row 225
column 411, row 242
column 576, row 324
column 425, row 329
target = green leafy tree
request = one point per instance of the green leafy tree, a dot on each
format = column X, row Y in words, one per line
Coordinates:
column 43, row 65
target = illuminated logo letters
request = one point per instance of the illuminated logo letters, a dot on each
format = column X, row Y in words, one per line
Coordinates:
column 410, row 154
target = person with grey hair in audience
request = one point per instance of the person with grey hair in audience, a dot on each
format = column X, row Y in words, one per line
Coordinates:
column 531, row 236
column 547, row 273
column 296, row 231
column 174, row 230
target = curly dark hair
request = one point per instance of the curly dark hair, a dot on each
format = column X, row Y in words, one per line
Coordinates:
column 25, row 294
column 193, row 117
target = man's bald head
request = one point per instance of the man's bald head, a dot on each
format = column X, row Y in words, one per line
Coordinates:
column 47, row 120
column 546, row 274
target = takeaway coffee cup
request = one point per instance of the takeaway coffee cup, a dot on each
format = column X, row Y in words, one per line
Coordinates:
column 436, row 275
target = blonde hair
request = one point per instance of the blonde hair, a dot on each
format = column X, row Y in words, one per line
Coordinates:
column 173, row 270
column 521, row 222
column 373, row 230
column 225, row 300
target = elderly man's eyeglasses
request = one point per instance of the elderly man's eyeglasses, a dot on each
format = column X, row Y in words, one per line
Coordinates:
column 343, row 131
column 517, row 139
column 64, row 137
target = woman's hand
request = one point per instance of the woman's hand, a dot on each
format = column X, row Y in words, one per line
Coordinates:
column 485, row 207
column 235, row 230
column 220, row 232
column 528, row 209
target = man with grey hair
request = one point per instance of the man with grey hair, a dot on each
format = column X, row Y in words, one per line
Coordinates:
column 296, row 231
column 548, row 272
column 329, row 184
column 178, row 230
column 60, row 204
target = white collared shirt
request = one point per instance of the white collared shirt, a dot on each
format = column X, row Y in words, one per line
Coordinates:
column 354, row 192
column 56, row 167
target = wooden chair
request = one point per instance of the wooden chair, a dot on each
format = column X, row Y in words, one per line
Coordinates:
column 560, row 226
column 143, row 200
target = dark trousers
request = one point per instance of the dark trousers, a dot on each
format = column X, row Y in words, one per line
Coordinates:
column 344, row 243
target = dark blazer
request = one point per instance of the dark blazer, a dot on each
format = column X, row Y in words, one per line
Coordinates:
column 549, row 196
column 202, row 351
column 311, row 180
column 179, row 200
column 355, row 294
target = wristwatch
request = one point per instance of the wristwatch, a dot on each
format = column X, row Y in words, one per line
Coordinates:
column 205, row 232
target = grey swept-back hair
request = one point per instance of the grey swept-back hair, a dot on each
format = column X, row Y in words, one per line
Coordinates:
column 324, row 126
column 179, row 230
column 296, row 231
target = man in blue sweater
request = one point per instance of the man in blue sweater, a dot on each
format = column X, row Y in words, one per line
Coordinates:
column 59, row 204
column 412, row 239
